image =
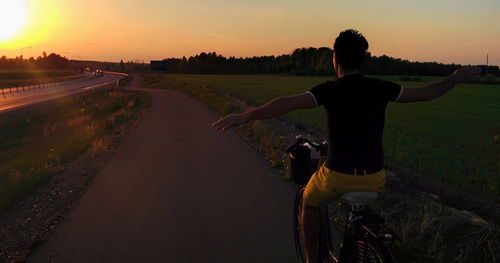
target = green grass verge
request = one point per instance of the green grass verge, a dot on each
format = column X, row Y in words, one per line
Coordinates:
column 39, row 143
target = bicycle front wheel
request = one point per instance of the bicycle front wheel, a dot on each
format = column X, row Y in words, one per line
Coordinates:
column 297, row 226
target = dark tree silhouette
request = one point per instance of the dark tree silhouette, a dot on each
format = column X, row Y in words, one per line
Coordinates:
column 51, row 61
column 307, row 61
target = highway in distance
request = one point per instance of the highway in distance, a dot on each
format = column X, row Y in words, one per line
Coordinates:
column 19, row 97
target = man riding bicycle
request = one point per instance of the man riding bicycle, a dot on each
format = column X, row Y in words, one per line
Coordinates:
column 355, row 109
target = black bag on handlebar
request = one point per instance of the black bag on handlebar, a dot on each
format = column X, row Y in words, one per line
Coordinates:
column 301, row 163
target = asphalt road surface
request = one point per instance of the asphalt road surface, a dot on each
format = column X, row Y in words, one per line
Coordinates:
column 177, row 190
column 29, row 95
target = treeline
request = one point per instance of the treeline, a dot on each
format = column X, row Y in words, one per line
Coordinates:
column 307, row 61
column 126, row 67
column 51, row 61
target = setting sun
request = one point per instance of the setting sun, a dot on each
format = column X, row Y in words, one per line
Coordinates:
column 12, row 19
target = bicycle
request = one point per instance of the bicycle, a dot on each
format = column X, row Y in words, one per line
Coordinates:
column 365, row 236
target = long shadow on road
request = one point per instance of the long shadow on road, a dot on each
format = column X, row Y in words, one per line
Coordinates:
column 178, row 191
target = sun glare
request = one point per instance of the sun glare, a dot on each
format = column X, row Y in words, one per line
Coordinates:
column 12, row 18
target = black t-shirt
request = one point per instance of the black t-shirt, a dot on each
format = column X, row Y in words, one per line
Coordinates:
column 355, row 110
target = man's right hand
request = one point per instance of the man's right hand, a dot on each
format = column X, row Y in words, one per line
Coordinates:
column 466, row 74
column 439, row 88
column 230, row 121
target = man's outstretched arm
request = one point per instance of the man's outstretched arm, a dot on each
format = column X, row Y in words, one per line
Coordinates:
column 439, row 88
column 272, row 109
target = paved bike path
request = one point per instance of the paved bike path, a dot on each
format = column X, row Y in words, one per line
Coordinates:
column 178, row 191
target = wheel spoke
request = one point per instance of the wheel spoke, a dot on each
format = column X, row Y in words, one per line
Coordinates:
column 371, row 251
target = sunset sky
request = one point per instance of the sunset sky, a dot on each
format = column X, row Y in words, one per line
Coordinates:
column 448, row 31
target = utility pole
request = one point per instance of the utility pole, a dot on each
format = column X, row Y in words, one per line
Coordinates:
column 486, row 59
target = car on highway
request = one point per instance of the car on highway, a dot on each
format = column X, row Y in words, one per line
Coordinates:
column 98, row 72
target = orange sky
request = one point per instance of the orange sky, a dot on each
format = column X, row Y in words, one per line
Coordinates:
column 451, row 31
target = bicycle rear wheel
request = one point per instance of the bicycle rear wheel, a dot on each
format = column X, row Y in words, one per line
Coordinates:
column 297, row 226
column 370, row 250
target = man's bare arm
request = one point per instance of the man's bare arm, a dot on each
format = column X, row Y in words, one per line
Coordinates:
column 439, row 88
column 272, row 109
column 280, row 106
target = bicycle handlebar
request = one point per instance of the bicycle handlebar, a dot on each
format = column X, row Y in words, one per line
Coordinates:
column 299, row 140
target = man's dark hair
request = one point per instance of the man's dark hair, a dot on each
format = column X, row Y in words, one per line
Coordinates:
column 350, row 49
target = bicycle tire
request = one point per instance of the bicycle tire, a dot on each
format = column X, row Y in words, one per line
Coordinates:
column 297, row 227
column 371, row 250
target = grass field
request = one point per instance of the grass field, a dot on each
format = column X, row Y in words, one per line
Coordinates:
column 34, row 74
column 19, row 77
column 454, row 138
column 38, row 143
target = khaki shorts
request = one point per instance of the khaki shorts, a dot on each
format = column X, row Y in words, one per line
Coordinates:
column 325, row 185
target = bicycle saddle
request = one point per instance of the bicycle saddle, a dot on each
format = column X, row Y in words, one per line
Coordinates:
column 359, row 198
